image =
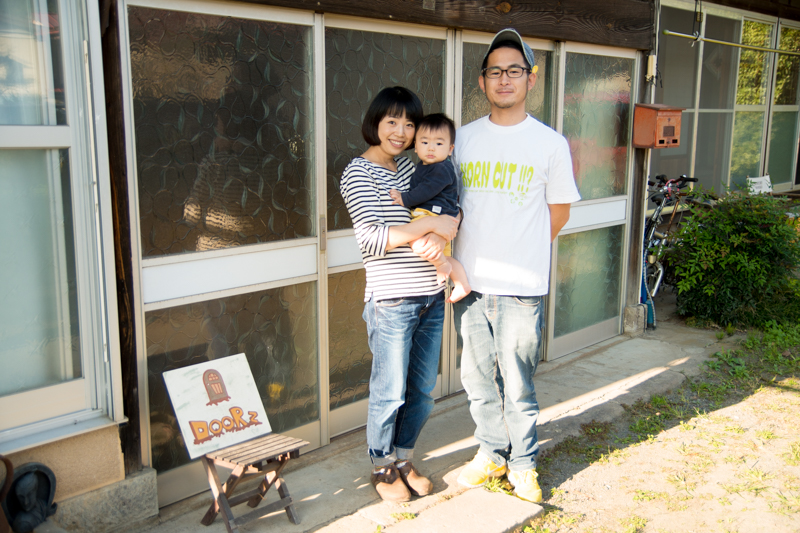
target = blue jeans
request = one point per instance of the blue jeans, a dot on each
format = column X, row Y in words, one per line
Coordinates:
column 502, row 338
column 405, row 337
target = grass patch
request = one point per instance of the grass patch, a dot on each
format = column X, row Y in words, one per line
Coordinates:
column 403, row 516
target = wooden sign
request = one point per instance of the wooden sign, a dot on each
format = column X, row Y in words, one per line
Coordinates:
column 217, row 404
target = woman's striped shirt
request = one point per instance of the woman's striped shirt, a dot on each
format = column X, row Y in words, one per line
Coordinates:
column 395, row 273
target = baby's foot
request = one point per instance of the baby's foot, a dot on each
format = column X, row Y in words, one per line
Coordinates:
column 443, row 272
column 460, row 290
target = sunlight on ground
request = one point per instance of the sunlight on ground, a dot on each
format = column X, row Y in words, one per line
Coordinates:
column 462, row 444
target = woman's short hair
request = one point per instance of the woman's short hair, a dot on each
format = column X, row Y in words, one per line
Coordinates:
column 394, row 102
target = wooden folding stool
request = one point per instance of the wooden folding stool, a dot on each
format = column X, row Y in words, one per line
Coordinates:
column 264, row 456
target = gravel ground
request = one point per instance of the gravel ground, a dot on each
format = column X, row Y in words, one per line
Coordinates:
column 721, row 453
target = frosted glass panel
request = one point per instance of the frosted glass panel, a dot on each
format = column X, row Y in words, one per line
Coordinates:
column 677, row 61
column 718, row 81
column 31, row 73
column 747, row 140
column 349, row 354
column 783, row 143
column 276, row 329
column 223, row 111
column 474, row 105
column 713, row 150
column 597, row 99
column 358, row 64
column 588, row 275
column 39, row 337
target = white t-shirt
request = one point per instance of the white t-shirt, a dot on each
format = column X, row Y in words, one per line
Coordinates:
column 508, row 176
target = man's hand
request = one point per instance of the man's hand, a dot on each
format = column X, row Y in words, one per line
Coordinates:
column 559, row 215
column 396, row 196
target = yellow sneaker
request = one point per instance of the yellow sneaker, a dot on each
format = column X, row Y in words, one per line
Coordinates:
column 479, row 470
column 525, row 485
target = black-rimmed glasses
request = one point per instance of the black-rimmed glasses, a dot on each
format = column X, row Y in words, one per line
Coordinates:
column 512, row 72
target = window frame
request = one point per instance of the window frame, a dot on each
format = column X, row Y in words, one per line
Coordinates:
column 94, row 400
column 695, row 111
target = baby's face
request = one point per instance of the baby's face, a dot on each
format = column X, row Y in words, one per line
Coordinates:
column 433, row 146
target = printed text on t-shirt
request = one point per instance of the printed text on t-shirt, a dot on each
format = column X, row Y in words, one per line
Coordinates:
column 498, row 177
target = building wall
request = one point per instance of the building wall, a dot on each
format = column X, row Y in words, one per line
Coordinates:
column 81, row 464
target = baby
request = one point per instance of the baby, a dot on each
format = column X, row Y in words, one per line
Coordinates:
column 434, row 190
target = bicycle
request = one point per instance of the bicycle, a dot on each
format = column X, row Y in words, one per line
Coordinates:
column 663, row 192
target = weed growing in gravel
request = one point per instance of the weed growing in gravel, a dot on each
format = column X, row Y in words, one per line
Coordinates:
column 403, row 516
column 498, row 484
column 553, row 517
column 596, row 430
column 793, row 455
column 633, row 524
column 765, row 435
column 648, row 495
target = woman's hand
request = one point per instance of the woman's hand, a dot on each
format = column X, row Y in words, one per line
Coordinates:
column 429, row 247
column 444, row 226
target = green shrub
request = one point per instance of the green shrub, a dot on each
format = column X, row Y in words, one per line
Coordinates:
column 736, row 264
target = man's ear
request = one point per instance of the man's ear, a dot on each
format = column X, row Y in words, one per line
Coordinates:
column 482, row 84
column 531, row 80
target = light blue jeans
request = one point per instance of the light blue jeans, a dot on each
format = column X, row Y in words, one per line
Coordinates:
column 405, row 337
column 502, row 338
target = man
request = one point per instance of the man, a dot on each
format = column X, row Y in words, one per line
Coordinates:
column 517, row 189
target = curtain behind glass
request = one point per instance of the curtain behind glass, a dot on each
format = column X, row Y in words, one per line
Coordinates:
column 39, row 339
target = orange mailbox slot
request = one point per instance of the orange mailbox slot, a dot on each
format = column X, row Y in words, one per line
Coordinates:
column 656, row 126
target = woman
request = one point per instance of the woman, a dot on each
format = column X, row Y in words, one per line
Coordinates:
column 404, row 308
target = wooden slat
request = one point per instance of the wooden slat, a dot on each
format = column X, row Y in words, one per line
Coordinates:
column 258, row 453
column 267, row 452
column 627, row 23
column 246, row 447
column 250, row 443
column 276, row 446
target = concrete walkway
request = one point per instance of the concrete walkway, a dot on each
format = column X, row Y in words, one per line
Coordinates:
column 331, row 486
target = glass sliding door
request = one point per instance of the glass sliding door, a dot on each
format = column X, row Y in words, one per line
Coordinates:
column 588, row 268
column 225, row 154
column 361, row 58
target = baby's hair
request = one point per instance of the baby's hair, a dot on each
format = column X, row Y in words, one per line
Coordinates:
column 436, row 122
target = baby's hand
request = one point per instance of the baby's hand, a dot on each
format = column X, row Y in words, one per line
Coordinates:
column 396, row 196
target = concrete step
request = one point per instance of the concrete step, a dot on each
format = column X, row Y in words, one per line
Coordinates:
column 474, row 511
